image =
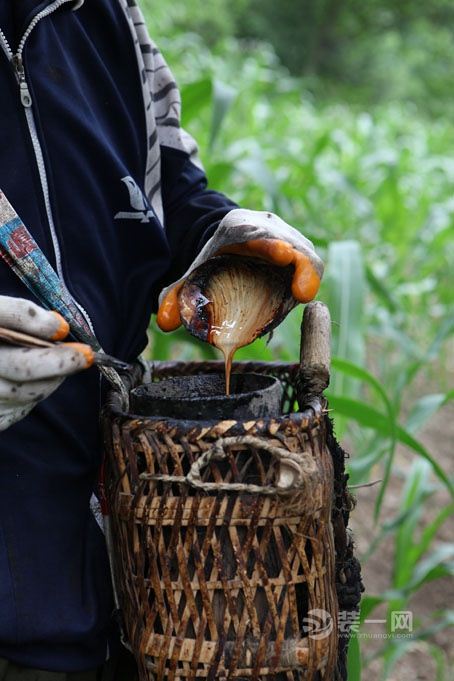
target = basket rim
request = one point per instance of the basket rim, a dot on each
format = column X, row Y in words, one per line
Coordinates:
column 113, row 403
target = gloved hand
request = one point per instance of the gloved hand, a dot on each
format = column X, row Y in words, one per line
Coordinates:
column 29, row 375
column 259, row 235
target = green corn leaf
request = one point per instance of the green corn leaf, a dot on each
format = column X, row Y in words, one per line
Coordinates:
column 257, row 351
column 368, row 605
column 170, row 345
column 195, row 97
column 444, row 332
column 344, row 291
column 407, row 439
column 255, row 167
column 371, row 418
column 416, row 485
column 430, row 531
column 223, row 97
column 361, row 374
column 309, row 174
column 392, row 653
column 439, row 658
column 219, row 172
column 425, row 408
column 437, row 564
column 443, row 619
column 380, row 290
column 161, row 344
column 357, row 372
column 410, row 370
column 389, row 526
column 354, row 665
column 318, row 241
column 360, row 466
column 410, row 508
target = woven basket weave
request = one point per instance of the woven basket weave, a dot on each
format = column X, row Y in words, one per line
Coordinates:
column 223, row 536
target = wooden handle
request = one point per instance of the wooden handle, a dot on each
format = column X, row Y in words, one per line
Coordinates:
column 23, row 339
column 315, row 355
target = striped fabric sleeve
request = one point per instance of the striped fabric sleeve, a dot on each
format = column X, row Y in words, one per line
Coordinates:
column 162, row 106
column 175, row 181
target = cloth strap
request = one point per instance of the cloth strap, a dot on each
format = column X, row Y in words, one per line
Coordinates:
column 23, row 255
column 21, row 252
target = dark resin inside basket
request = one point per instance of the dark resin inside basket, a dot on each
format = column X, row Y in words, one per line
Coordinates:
column 203, row 397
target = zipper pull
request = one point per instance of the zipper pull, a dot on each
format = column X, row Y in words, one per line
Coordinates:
column 24, row 92
column 25, row 96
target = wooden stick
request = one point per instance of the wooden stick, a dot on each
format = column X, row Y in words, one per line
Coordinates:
column 23, row 339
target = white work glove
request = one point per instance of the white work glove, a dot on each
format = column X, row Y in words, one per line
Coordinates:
column 259, row 235
column 29, row 375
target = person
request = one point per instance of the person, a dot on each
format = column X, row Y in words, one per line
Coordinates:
column 109, row 186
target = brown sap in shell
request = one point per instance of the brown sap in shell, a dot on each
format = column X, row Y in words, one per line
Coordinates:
column 229, row 301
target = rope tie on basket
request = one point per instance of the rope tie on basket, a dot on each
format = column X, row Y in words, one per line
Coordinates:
column 290, row 478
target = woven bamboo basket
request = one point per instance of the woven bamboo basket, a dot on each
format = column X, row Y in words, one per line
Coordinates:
column 227, row 548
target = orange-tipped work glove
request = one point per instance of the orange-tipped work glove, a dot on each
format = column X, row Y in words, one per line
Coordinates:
column 29, row 375
column 259, row 235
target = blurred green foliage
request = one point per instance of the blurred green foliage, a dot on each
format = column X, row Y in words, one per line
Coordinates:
column 379, row 49
column 363, row 50
column 357, row 153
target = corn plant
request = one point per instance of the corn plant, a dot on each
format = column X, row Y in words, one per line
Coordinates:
column 418, row 559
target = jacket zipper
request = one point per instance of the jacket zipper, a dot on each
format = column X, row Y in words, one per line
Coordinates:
column 16, row 61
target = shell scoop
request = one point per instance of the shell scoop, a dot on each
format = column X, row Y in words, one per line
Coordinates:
column 230, row 300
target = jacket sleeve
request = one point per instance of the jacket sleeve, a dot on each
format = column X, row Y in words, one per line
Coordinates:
column 175, row 181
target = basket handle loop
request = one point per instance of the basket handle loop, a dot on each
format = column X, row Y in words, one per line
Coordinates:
column 290, row 477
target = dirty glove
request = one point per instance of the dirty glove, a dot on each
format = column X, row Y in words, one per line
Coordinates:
column 258, row 235
column 29, row 375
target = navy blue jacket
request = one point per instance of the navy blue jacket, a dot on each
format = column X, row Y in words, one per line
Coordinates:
column 119, row 235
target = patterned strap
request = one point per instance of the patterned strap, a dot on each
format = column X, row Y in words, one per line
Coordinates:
column 21, row 252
